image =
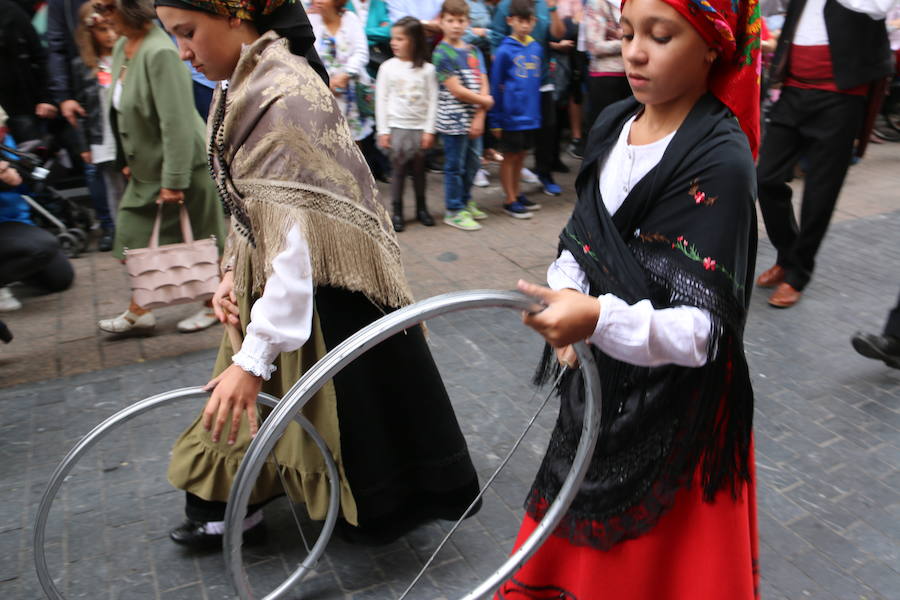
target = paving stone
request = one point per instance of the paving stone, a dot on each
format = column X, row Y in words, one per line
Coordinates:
column 833, row 576
column 881, row 578
column 788, row 579
column 824, row 539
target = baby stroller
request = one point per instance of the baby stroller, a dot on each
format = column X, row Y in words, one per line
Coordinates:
column 37, row 161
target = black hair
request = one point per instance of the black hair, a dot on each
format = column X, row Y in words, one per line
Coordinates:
column 523, row 9
column 415, row 33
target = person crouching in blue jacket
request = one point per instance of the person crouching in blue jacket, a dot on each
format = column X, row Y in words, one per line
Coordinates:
column 516, row 115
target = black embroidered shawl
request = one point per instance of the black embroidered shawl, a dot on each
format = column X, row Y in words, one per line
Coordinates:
column 685, row 236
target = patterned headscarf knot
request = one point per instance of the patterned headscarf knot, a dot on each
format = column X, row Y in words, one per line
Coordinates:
column 732, row 28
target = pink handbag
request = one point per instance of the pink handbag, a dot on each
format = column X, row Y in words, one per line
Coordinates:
column 174, row 273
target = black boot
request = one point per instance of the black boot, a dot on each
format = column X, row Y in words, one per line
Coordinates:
column 422, row 213
column 397, row 218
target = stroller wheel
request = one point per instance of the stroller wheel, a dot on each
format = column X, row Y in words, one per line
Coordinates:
column 80, row 238
column 68, row 243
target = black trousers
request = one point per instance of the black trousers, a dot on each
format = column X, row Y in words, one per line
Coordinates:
column 30, row 254
column 892, row 327
column 603, row 91
column 546, row 151
column 821, row 126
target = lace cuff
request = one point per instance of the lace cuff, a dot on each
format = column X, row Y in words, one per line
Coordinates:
column 256, row 356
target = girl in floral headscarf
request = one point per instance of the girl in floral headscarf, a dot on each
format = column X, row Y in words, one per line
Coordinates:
column 655, row 269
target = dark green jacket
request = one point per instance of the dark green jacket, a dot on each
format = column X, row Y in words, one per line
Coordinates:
column 160, row 134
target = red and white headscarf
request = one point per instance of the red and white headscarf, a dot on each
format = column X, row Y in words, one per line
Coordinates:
column 732, row 27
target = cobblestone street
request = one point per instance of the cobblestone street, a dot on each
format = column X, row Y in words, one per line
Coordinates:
column 827, row 423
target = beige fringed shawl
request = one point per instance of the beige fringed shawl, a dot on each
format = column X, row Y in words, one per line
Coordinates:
column 283, row 155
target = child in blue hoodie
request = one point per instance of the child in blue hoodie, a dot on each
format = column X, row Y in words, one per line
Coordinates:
column 516, row 115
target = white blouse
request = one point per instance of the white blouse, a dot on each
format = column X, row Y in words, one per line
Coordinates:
column 638, row 333
column 281, row 319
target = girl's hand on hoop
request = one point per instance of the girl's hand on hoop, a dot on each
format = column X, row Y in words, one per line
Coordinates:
column 566, row 356
column 569, row 316
column 234, row 393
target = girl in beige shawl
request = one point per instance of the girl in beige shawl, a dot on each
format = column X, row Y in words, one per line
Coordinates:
column 311, row 258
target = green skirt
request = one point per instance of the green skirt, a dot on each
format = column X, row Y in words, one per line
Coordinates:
column 207, row 469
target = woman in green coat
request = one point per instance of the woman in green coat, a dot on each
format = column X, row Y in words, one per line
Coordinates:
column 160, row 139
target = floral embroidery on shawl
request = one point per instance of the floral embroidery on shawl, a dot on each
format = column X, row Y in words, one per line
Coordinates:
column 700, row 196
column 690, row 250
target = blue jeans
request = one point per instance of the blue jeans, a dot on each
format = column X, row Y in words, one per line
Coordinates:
column 462, row 159
column 97, row 189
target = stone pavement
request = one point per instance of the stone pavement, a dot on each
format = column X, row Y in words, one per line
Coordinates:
column 827, row 426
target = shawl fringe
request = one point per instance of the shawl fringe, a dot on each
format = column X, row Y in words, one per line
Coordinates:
column 344, row 252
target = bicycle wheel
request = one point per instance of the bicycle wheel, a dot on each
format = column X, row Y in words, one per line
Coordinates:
column 345, row 353
column 122, row 417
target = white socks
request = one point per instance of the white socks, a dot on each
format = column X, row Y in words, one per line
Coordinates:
column 218, row 527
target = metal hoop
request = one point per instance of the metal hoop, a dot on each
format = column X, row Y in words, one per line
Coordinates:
column 332, row 363
column 129, row 413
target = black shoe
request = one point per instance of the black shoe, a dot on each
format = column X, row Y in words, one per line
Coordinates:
column 398, row 223
column 575, row 149
column 424, row 218
column 191, row 533
column 885, row 348
column 382, row 177
column 560, row 167
column 105, row 243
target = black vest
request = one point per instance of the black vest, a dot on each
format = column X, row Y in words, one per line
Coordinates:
column 860, row 50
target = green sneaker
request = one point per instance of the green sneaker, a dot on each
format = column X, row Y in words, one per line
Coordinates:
column 476, row 212
column 461, row 220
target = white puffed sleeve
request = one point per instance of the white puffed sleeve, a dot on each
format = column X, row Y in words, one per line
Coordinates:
column 639, row 334
column 281, row 319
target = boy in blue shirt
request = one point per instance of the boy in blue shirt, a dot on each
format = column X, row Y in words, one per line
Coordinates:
column 516, row 116
column 463, row 99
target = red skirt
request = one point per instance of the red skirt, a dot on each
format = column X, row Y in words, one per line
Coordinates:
column 697, row 551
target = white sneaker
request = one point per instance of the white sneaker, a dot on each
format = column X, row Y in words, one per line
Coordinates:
column 8, row 302
column 481, row 179
column 198, row 321
column 529, row 177
column 128, row 321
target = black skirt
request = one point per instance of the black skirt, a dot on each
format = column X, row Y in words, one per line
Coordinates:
column 404, row 455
